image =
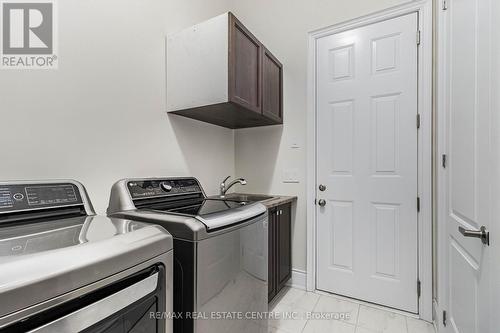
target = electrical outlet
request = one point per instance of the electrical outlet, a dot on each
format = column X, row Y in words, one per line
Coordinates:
column 291, row 176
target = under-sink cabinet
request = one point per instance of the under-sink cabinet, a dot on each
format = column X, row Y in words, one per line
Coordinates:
column 280, row 248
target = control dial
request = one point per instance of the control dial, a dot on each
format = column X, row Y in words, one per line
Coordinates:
column 18, row 196
column 165, row 187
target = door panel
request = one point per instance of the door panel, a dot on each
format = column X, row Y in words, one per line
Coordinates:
column 463, row 297
column 386, row 249
column 285, row 244
column 245, row 68
column 341, row 233
column 385, row 134
column 467, row 93
column 462, row 88
column 272, row 84
column 271, row 279
column 367, row 158
column 342, row 144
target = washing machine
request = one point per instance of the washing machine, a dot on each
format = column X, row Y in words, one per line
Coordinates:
column 220, row 252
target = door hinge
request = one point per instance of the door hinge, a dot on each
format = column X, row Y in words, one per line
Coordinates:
column 418, row 120
column 419, row 37
column 444, row 160
column 445, row 5
column 419, row 288
column 418, row 204
column 444, row 318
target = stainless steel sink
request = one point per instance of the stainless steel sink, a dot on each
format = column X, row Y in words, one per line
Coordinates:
column 247, row 198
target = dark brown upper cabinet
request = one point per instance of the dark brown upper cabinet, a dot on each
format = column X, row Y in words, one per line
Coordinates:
column 219, row 72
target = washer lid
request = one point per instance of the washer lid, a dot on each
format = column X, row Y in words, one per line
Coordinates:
column 217, row 213
column 42, row 260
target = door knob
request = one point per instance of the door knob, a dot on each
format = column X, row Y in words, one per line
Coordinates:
column 322, row 202
column 322, row 187
column 483, row 234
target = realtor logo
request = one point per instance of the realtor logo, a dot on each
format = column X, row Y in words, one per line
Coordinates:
column 28, row 34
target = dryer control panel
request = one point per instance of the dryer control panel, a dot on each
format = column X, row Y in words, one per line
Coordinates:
column 23, row 197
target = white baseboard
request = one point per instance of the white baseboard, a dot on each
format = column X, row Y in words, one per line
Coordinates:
column 298, row 279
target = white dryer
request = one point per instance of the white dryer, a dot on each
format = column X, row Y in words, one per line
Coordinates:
column 64, row 269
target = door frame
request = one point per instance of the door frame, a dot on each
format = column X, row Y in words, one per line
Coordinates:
column 425, row 147
column 442, row 144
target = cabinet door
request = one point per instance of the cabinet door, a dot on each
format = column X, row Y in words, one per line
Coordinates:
column 284, row 245
column 272, row 255
column 272, row 87
column 245, row 67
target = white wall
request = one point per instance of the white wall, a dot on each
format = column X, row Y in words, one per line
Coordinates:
column 101, row 115
column 262, row 154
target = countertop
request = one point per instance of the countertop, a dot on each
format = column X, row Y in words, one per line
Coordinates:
column 276, row 200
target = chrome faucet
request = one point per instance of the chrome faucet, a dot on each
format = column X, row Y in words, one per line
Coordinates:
column 224, row 188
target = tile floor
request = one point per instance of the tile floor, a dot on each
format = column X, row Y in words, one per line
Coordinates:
column 292, row 307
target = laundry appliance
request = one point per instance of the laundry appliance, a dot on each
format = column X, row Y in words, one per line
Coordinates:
column 65, row 269
column 220, row 252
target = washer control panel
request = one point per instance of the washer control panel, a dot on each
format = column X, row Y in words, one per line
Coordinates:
column 19, row 197
column 162, row 187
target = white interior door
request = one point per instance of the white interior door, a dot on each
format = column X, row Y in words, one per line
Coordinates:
column 468, row 56
column 367, row 160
